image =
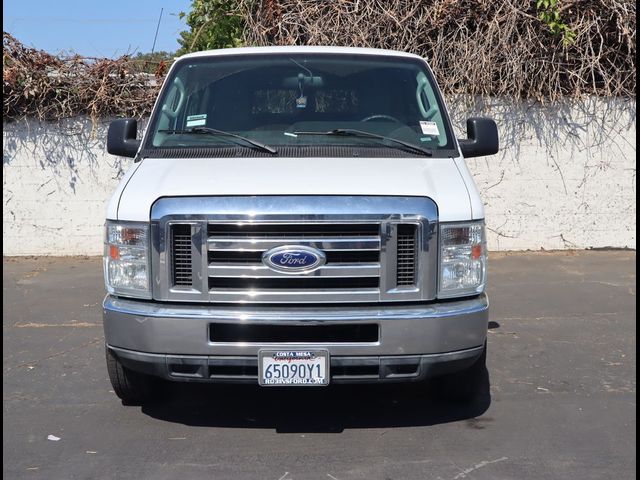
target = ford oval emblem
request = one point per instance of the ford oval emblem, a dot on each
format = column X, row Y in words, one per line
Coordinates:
column 294, row 259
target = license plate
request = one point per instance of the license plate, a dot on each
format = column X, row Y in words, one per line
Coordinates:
column 293, row 367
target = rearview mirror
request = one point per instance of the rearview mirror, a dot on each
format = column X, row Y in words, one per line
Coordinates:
column 482, row 138
column 304, row 81
column 121, row 137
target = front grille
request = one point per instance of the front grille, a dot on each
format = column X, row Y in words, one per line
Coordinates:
column 375, row 248
column 407, row 248
column 182, row 266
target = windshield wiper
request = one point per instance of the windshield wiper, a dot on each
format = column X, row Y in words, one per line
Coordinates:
column 350, row 132
column 222, row 133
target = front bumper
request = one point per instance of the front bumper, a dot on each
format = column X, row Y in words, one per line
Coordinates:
column 414, row 341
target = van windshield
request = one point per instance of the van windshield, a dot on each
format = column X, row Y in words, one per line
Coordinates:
column 301, row 100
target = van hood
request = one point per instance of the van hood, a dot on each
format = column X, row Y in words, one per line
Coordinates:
column 441, row 179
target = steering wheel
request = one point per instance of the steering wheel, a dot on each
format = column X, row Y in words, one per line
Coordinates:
column 380, row 116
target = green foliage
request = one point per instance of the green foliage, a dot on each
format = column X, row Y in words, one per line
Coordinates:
column 549, row 14
column 213, row 24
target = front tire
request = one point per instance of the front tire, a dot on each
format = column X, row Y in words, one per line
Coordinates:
column 133, row 388
column 465, row 385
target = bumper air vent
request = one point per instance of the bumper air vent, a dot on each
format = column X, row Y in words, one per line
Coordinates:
column 254, row 333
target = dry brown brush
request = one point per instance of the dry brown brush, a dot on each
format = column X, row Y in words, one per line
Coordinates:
column 47, row 87
column 476, row 47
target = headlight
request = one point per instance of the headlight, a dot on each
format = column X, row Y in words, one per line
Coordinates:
column 463, row 259
column 126, row 259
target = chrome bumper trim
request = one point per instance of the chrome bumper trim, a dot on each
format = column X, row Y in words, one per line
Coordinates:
column 403, row 330
column 297, row 314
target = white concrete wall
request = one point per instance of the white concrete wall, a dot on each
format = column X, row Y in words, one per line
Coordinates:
column 565, row 178
column 57, row 179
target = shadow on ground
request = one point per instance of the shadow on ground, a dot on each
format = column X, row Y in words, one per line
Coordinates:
column 330, row 409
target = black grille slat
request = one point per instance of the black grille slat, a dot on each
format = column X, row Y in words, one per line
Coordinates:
column 337, row 256
column 221, row 256
column 292, row 230
column 297, row 283
column 406, row 255
column 182, row 262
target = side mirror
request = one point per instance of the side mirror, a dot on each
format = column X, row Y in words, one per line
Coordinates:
column 121, row 137
column 482, row 138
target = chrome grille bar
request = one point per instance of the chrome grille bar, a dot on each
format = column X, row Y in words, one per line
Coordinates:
column 336, row 270
column 296, row 296
column 260, row 244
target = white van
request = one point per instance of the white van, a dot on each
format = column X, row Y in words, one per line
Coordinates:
column 297, row 216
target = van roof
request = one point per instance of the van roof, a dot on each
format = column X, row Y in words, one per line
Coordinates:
column 299, row 49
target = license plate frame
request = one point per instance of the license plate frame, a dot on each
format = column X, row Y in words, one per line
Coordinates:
column 316, row 358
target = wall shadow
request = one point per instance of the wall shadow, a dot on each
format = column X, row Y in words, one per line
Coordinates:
column 61, row 148
column 331, row 409
column 592, row 122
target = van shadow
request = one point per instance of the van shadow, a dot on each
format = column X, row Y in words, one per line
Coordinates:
column 331, row 409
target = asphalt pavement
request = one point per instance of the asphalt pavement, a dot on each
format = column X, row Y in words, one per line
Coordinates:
column 561, row 402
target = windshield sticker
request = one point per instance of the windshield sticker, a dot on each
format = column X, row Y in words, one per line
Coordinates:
column 429, row 128
column 301, row 102
column 197, row 120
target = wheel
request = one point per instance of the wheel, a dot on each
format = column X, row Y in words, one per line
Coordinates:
column 380, row 117
column 131, row 387
column 465, row 385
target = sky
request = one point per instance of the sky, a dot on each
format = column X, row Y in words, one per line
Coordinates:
column 95, row 28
